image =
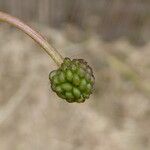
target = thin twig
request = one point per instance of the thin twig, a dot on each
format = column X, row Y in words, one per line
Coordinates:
column 37, row 37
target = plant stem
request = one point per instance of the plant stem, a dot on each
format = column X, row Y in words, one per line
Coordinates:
column 37, row 37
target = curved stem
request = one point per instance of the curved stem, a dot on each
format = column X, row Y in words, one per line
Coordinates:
column 37, row 37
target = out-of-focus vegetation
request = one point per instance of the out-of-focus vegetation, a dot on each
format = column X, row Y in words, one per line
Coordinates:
column 112, row 19
column 105, row 33
column 32, row 117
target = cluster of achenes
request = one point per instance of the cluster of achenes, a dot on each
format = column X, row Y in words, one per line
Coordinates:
column 73, row 81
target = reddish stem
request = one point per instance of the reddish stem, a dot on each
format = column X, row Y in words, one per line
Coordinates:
column 37, row 37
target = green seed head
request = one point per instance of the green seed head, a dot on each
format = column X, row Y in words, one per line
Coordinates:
column 73, row 81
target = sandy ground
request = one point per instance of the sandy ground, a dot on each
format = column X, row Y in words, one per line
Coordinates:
column 32, row 117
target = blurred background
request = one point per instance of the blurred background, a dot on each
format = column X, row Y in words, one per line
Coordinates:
column 114, row 37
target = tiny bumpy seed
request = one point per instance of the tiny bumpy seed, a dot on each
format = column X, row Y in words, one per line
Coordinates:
column 73, row 81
